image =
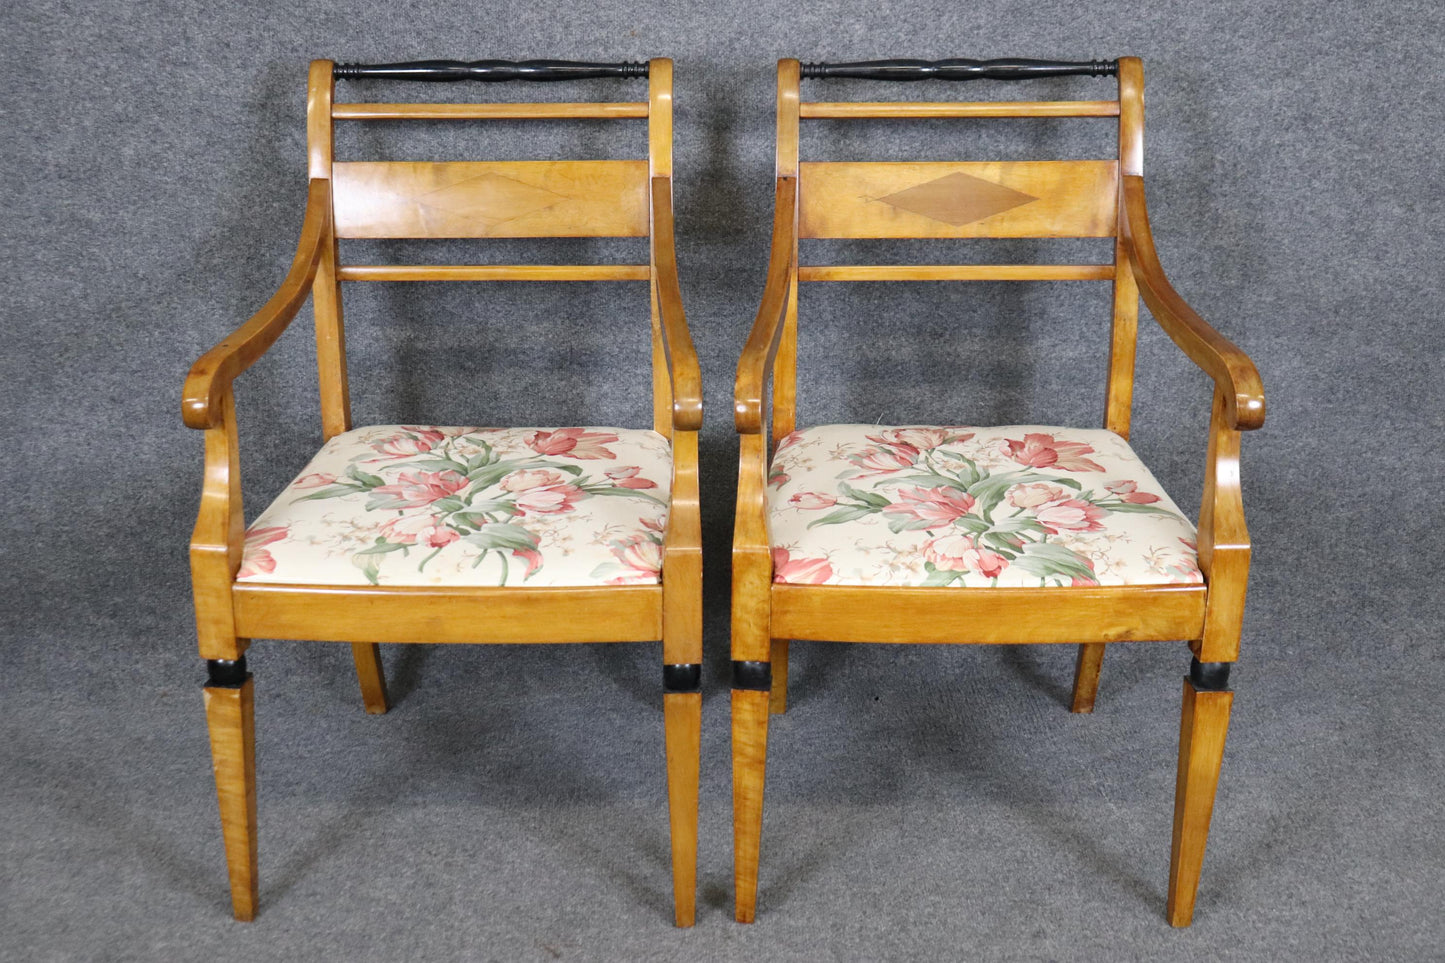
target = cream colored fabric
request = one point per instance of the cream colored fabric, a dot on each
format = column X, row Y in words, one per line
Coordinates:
column 426, row 505
column 1021, row 505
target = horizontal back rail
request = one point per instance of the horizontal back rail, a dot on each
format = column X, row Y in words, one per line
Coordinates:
column 610, row 110
column 495, row 272
column 956, row 272
column 858, row 110
column 959, row 68
column 958, row 199
column 470, row 199
column 489, row 71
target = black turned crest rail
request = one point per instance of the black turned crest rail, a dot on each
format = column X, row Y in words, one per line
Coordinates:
column 960, row 69
column 489, row 71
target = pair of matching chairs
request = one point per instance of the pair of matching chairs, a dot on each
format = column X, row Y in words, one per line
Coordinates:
column 857, row 533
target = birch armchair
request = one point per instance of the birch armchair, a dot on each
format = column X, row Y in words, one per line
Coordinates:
column 963, row 534
column 460, row 534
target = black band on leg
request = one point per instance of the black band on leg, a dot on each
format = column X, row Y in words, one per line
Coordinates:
column 1209, row 676
column 682, row 677
column 226, row 674
column 756, row 676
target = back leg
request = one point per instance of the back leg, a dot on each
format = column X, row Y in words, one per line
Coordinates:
column 778, row 695
column 1086, row 676
column 367, row 656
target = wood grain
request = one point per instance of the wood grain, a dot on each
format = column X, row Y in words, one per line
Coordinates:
column 496, row 272
column 750, row 752
column 371, row 676
column 682, row 714
column 784, row 359
column 461, row 199
column 683, row 368
column 682, row 558
column 320, row 90
column 858, row 109
column 230, row 717
column 1086, row 676
column 958, row 199
column 615, row 110
column 1224, row 547
column 218, row 538
column 344, row 613
column 839, row 613
column 778, row 694
column 752, row 559
column 956, row 272
column 786, row 154
column 1123, row 342
column 659, row 158
column 1203, row 724
column 659, row 117
column 754, row 366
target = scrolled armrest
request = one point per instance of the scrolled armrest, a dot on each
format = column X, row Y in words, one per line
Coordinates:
column 213, row 373
column 1232, row 370
column 682, row 363
column 762, row 344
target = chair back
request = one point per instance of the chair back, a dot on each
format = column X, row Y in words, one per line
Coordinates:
column 964, row 199
column 545, row 198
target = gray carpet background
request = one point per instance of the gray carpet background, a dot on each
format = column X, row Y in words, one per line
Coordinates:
column 923, row 803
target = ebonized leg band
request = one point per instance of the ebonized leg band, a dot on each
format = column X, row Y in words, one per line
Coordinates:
column 1209, row 676
column 754, row 676
column 226, row 674
column 682, row 677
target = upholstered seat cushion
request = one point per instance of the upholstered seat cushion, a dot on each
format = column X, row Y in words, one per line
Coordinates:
column 1022, row 505
column 424, row 505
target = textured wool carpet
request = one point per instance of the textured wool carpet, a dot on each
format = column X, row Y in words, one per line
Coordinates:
column 922, row 803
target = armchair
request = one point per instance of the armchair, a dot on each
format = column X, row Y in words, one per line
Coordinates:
column 966, row 534
column 405, row 533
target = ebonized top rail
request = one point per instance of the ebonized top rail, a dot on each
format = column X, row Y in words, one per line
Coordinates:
column 960, row 69
column 491, row 71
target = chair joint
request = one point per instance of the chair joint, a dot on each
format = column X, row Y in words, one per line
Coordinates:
column 1209, row 676
column 682, row 677
column 753, row 676
column 226, row 673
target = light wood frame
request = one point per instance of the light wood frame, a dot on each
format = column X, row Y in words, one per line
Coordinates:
column 229, row 614
column 765, row 616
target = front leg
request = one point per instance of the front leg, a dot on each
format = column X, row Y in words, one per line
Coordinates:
column 230, row 715
column 1203, row 723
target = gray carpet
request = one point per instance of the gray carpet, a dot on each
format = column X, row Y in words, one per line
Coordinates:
column 922, row 803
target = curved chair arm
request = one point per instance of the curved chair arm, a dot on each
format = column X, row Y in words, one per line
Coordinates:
column 211, row 376
column 762, row 345
column 682, row 364
column 1233, row 373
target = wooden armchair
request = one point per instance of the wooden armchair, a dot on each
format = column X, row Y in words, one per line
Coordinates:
column 962, row 534
column 420, row 533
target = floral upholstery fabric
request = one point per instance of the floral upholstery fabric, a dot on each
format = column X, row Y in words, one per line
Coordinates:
column 1022, row 505
column 424, row 505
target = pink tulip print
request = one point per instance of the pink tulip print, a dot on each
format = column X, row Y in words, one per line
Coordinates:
column 959, row 506
column 419, row 496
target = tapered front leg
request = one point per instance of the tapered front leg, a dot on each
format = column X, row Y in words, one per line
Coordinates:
column 682, row 716
column 1203, row 723
column 1086, row 676
column 367, row 656
column 230, row 715
column 778, row 695
column 750, row 755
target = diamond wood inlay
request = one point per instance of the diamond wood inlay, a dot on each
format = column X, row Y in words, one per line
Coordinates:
column 958, row 198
